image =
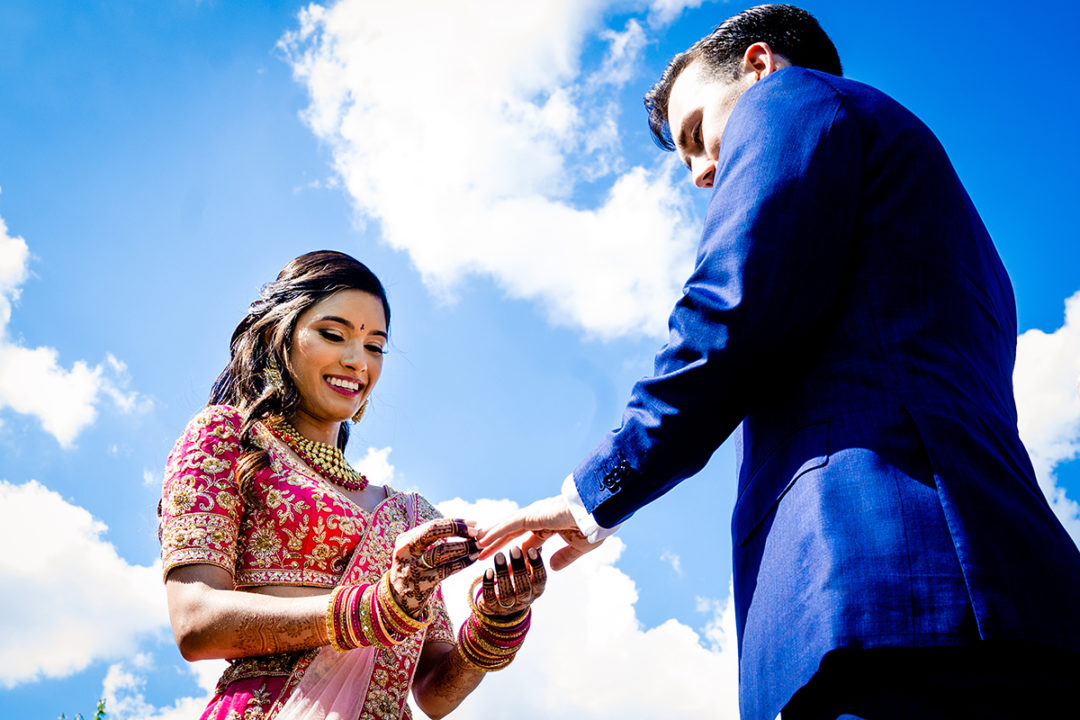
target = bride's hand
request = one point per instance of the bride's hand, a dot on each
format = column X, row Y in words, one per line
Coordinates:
column 417, row 566
column 511, row 588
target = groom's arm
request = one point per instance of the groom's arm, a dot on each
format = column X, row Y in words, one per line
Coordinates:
column 771, row 260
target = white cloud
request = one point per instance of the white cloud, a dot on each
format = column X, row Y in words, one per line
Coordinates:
column 375, row 465
column 466, row 136
column 673, row 560
column 1048, row 405
column 14, row 262
column 663, row 12
column 32, row 380
column 589, row 656
column 66, row 597
column 623, row 55
column 123, row 686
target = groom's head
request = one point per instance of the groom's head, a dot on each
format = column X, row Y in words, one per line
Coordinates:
column 689, row 106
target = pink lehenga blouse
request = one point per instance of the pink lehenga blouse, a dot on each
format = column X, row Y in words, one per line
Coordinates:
column 289, row 527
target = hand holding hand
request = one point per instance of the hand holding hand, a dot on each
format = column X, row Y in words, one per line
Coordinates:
column 543, row 519
column 418, row 566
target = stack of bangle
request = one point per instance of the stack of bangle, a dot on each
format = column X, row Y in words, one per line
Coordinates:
column 367, row 615
column 395, row 617
column 490, row 644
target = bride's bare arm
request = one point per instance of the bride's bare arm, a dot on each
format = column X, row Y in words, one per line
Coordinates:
column 443, row 679
column 212, row 620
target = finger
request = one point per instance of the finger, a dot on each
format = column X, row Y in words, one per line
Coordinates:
column 442, row 553
column 504, row 531
column 520, row 577
column 489, row 550
column 549, row 514
column 417, row 540
column 536, row 539
column 567, row 555
column 488, row 590
column 504, row 587
column 537, row 572
column 446, row 570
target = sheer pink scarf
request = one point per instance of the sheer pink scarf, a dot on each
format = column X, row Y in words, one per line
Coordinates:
column 332, row 685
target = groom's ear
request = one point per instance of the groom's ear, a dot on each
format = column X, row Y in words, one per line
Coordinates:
column 759, row 61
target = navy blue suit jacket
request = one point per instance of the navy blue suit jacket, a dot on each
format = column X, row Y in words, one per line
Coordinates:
column 849, row 311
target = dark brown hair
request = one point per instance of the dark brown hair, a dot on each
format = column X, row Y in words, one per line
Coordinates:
column 786, row 29
column 265, row 335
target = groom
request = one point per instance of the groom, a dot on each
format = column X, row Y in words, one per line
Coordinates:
column 848, row 313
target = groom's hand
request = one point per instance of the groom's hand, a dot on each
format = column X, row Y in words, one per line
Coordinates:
column 542, row 519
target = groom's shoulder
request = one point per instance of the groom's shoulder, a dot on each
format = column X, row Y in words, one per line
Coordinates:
column 810, row 99
column 799, row 86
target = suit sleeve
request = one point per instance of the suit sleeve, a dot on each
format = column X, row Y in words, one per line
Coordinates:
column 769, row 269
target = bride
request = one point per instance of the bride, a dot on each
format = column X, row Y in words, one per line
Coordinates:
column 320, row 588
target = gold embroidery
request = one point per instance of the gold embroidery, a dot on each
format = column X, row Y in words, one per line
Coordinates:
column 198, row 538
column 287, row 528
column 440, row 629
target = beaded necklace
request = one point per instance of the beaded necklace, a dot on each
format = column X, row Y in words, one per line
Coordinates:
column 325, row 459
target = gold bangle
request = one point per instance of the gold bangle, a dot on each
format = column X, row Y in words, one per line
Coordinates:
column 331, row 633
column 388, row 601
column 476, row 665
column 490, row 619
column 495, row 652
column 472, row 594
column 376, row 619
column 363, row 611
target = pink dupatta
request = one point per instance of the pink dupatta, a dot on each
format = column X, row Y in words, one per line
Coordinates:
column 364, row 684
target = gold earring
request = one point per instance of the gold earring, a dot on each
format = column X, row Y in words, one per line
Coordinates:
column 360, row 413
column 273, row 375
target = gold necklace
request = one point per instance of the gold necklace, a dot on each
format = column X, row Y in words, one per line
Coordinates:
column 327, row 460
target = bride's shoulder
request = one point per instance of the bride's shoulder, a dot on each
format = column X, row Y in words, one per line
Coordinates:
column 424, row 509
column 224, row 421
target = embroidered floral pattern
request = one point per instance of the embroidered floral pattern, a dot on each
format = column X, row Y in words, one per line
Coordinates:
column 288, row 528
column 440, row 629
column 197, row 527
column 261, row 666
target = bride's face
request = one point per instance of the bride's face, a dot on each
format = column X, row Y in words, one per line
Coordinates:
column 337, row 354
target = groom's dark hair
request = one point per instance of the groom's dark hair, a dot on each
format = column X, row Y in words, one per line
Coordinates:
column 786, row 29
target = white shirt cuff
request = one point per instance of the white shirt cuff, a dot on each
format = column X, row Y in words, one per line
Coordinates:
column 592, row 531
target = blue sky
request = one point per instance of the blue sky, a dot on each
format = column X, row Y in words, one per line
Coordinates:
column 159, row 161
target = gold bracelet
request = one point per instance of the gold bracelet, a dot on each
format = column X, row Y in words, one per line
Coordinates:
column 492, row 650
column 477, row 665
column 388, row 601
column 329, row 619
column 490, row 619
column 391, row 638
column 363, row 611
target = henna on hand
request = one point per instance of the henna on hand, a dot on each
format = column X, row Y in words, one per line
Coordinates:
column 487, row 591
column 447, row 552
column 537, row 571
column 421, row 560
column 510, row 590
column 521, row 581
column 253, row 630
column 504, row 584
